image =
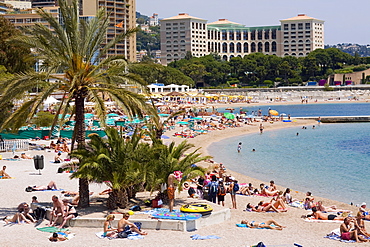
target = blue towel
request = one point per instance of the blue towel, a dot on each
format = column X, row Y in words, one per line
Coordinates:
column 198, row 237
column 135, row 236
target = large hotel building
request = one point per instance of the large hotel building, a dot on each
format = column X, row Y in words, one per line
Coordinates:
column 122, row 17
column 296, row 36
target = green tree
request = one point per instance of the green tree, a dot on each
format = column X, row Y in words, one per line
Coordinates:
column 43, row 119
column 73, row 49
column 15, row 58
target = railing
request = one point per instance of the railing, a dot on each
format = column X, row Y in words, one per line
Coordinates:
column 14, row 145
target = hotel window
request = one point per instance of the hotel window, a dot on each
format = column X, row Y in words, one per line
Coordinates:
column 168, row 24
column 286, row 26
column 231, row 35
column 292, row 26
column 182, row 23
column 175, row 24
column 308, row 26
column 300, row 26
column 245, row 35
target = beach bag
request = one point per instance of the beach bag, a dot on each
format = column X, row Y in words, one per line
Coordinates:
column 122, row 234
column 236, row 187
column 222, row 191
column 213, row 188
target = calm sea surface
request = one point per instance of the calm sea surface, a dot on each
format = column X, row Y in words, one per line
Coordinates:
column 332, row 160
column 311, row 110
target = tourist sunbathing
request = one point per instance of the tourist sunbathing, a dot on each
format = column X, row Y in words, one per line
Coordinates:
column 309, row 201
column 332, row 208
column 270, row 224
column 347, row 234
column 318, row 215
column 25, row 156
column 52, row 145
column 360, row 225
column 3, row 174
column 52, row 185
column 57, row 237
column 76, row 196
column 69, row 212
column 272, row 186
column 247, row 190
column 57, row 158
column 278, row 201
column 109, row 231
column 57, row 211
column 263, row 207
column 265, row 192
column 25, row 209
column 17, row 218
column 127, row 227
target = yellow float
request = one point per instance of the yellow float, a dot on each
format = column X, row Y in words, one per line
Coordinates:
column 199, row 208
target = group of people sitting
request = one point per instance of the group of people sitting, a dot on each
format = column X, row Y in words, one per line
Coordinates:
column 60, row 145
column 125, row 227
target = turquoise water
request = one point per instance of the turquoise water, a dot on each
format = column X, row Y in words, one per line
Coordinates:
column 331, row 160
column 311, row 110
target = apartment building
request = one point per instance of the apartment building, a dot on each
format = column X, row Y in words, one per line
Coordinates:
column 122, row 17
column 301, row 35
column 180, row 34
column 295, row 36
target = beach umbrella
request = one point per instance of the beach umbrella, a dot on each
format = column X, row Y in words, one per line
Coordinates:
column 163, row 115
column 182, row 123
column 229, row 115
column 89, row 115
column 274, row 113
column 197, row 118
column 113, row 115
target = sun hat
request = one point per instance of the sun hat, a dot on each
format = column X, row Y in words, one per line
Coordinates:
column 363, row 204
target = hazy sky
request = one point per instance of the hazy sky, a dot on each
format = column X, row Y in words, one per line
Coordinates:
column 345, row 21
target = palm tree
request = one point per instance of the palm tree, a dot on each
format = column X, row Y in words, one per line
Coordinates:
column 73, row 48
column 115, row 161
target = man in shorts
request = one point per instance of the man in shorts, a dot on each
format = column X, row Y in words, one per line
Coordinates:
column 176, row 175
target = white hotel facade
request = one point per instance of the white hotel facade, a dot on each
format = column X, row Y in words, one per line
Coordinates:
column 296, row 36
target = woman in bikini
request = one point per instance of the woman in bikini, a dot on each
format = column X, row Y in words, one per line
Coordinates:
column 360, row 225
column 69, row 212
column 109, row 231
column 270, row 224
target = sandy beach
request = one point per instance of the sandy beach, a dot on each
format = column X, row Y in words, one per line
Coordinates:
column 297, row 230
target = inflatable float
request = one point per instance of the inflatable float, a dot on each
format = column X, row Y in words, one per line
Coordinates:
column 199, row 208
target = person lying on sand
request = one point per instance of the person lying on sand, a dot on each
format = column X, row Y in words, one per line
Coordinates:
column 270, row 224
column 263, row 207
column 57, row 237
column 25, row 156
column 318, row 215
column 17, row 218
column 52, row 185
column 332, row 208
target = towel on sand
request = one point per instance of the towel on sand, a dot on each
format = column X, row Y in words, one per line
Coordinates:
column 335, row 235
column 245, row 226
column 198, row 237
column 132, row 236
column 52, row 229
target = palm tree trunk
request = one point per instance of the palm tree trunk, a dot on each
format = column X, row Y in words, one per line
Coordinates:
column 117, row 199
column 79, row 134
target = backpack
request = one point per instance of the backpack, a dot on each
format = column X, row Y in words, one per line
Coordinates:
column 236, row 187
column 213, row 187
column 222, row 191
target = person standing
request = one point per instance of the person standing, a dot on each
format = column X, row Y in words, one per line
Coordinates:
column 233, row 188
column 261, row 128
column 221, row 193
column 239, row 147
column 213, row 189
column 176, row 175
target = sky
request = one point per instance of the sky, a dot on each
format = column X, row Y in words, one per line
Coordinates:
column 345, row 21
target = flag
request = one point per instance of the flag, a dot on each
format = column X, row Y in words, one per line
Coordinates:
column 120, row 25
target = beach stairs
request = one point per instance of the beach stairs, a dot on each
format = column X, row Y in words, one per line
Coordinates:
column 216, row 217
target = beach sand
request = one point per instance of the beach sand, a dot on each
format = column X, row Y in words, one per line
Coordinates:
column 297, row 230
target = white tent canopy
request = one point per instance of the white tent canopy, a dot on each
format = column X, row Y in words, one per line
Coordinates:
column 51, row 100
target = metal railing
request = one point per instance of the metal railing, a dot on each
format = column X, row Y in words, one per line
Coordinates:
column 14, row 145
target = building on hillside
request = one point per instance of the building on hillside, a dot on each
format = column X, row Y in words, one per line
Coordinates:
column 4, row 7
column 44, row 3
column 122, row 18
column 354, row 78
column 183, row 33
column 161, row 88
column 153, row 20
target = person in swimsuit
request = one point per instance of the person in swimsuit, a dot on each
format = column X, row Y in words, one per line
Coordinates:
column 109, row 231
column 51, row 186
column 347, row 234
column 270, row 224
column 69, row 212
column 124, row 225
column 318, row 215
column 57, row 212
column 239, row 147
column 360, row 225
column 3, row 174
column 176, row 175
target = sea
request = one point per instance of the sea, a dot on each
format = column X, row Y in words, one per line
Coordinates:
column 330, row 160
